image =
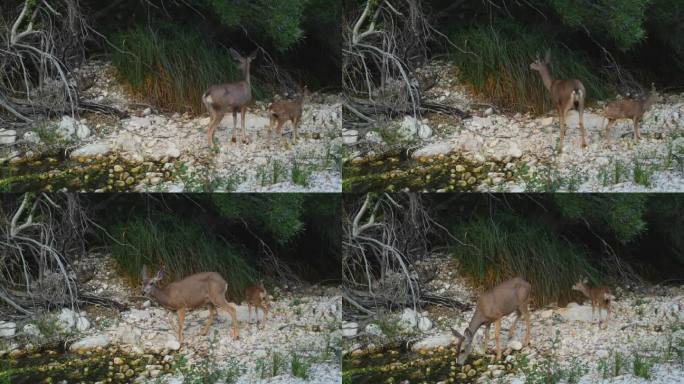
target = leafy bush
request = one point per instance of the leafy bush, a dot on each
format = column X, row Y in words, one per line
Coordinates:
column 494, row 250
column 183, row 248
column 497, row 65
column 171, row 66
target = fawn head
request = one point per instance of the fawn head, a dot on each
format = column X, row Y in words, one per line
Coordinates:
column 580, row 284
column 149, row 283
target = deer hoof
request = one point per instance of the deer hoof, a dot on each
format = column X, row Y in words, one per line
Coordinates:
column 233, row 140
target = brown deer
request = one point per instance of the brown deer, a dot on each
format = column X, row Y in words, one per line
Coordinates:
column 565, row 95
column 628, row 109
column 230, row 97
column 283, row 110
column 600, row 297
column 512, row 295
column 189, row 293
column 255, row 296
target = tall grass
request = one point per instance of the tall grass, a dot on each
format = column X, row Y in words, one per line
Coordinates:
column 183, row 248
column 171, row 67
column 496, row 249
column 498, row 66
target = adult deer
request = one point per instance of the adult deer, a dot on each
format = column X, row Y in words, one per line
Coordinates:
column 512, row 295
column 283, row 110
column 189, row 293
column 600, row 297
column 230, row 97
column 565, row 95
column 628, row 109
column 255, row 296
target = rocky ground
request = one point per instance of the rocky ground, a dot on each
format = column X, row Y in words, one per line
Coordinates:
column 303, row 325
column 646, row 325
column 178, row 142
column 526, row 146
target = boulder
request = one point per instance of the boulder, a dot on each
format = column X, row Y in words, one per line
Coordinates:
column 90, row 343
column 350, row 136
column 92, row 150
column 8, row 136
column 349, row 329
column 66, row 319
column 31, row 137
column 31, row 330
column 434, row 342
column 424, row 131
column 82, row 324
column 408, row 127
column 424, row 323
column 82, row 131
column 481, row 122
column 374, row 137
column 592, row 121
column 373, row 329
column 67, row 127
column 7, row 328
column 432, row 150
column 580, row 313
column 408, row 319
column 515, row 345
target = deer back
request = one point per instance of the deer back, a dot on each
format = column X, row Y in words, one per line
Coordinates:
column 195, row 290
column 561, row 90
column 229, row 95
column 503, row 299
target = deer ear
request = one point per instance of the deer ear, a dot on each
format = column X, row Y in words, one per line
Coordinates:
column 547, row 56
column 160, row 274
column 234, row 54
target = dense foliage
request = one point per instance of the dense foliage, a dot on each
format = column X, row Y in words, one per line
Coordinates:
column 620, row 45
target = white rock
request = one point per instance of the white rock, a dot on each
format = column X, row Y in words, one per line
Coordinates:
column 7, row 328
column 8, row 136
column 481, row 122
column 92, row 150
column 66, row 319
column 546, row 314
column 547, row 121
column 147, row 111
column 373, row 329
column 434, row 342
column 90, row 343
column 32, row 137
column 592, row 121
column 424, row 131
column 408, row 319
column 373, row 137
column 349, row 329
column 515, row 345
column 513, row 150
column 82, row 323
column 67, row 127
column 433, row 150
column 82, row 132
column 489, row 111
column 408, row 127
column 424, row 323
column 350, row 136
column 31, row 329
column 580, row 313
column 139, row 122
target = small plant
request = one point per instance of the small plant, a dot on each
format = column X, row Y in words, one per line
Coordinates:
column 207, row 370
column 618, row 364
column 642, row 173
column 641, row 367
column 300, row 368
column 300, row 174
column 271, row 368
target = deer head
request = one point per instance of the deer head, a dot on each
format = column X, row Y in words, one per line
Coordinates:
column 243, row 62
column 580, row 284
column 539, row 64
column 464, row 344
column 148, row 284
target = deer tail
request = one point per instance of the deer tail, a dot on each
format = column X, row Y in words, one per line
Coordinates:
column 577, row 96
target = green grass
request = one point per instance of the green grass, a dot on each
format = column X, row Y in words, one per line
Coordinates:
column 642, row 172
column 181, row 246
column 172, row 66
column 207, row 370
column 497, row 65
column 548, row 369
column 300, row 173
column 494, row 250
column 300, row 367
column 272, row 366
column 641, row 367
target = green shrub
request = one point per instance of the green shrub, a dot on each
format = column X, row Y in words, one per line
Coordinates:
column 172, row 66
column 494, row 250
column 183, row 248
column 497, row 66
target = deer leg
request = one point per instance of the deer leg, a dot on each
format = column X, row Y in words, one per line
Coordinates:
column 279, row 130
column 583, row 130
column 243, row 111
column 230, row 308
column 637, row 136
column 215, row 120
column 233, row 139
column 181, row 320
column 497, row 335
column 265, row 308
column 561, row 120
column 296, row 128
column 486, row 339
column 270, row 129
column 210, row 320
column 527, row 327
column 610, row 124
column 515, row 322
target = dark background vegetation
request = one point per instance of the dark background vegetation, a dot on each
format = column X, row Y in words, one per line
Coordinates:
column 611, row 45
column 285, row 239
column 552, row 240
column 170, row 51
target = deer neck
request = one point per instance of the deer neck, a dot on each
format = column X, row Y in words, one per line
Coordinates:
column 245, row 73
column 546, row 77
column 162, row 297
column 585, row 290
column 475, row 324
column 650, row 100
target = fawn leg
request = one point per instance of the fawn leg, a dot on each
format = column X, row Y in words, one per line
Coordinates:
column 265, row 308
column 515, row 322
column 279, row 130
column 610, row 124
column 181, row 320
column 497, row 332
column 583, row 130
column 637, row 136
column 214, row 121
column 296, row 122
column 210, row 320
column 561, row 119
column 486, row 338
